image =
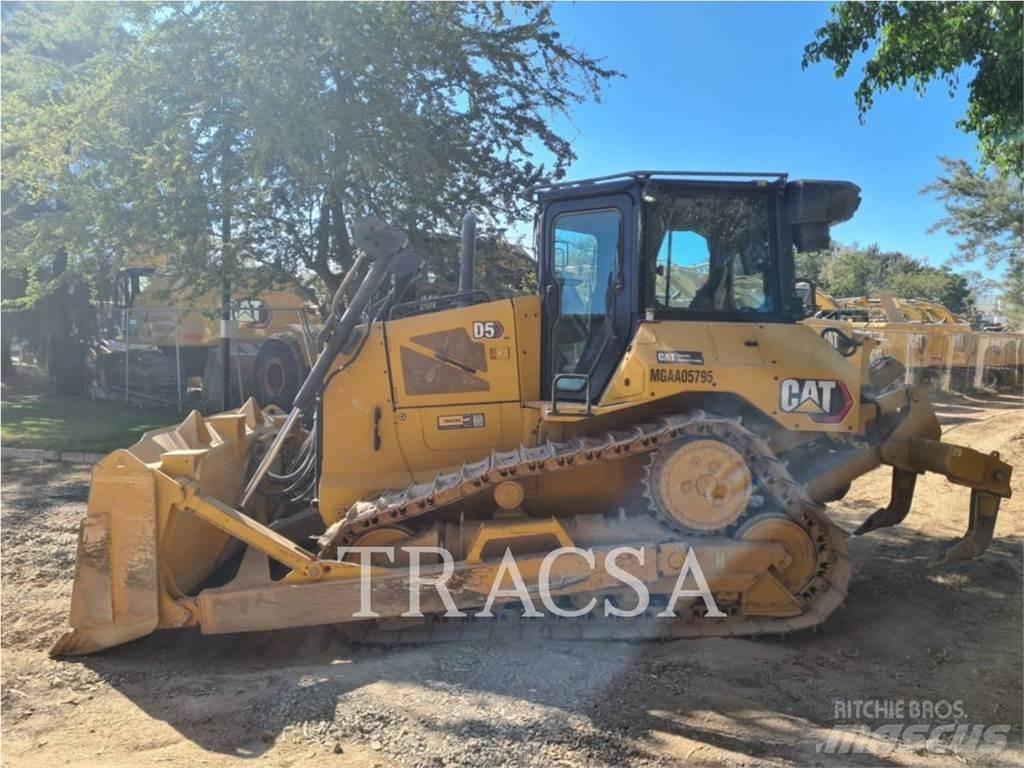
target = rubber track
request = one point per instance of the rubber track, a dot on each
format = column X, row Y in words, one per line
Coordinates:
column 823, row 594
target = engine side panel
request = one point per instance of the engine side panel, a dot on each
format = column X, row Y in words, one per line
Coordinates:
column 786, row 371
column 360, row 451
column 456, row 381
column 454, row 391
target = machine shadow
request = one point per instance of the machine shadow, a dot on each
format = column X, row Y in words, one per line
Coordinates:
column 637, row 700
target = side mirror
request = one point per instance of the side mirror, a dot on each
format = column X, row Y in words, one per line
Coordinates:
column 807, row 290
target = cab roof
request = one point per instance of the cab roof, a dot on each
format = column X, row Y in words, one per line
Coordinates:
column 617, row 182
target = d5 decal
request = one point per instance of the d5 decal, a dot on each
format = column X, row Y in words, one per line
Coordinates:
column 488, row 329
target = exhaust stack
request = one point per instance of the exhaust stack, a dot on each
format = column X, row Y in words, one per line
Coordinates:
column 467, row 256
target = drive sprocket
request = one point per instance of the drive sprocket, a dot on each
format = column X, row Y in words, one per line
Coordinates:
column 701, row 484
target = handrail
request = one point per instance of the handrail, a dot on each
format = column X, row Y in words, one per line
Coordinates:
column 554, row 389
column 780, row 177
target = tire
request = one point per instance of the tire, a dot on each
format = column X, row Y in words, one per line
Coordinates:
column 277, row 373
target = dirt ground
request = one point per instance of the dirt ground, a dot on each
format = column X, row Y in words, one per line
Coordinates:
column 906, row 634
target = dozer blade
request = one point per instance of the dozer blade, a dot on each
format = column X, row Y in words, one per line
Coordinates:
column 139, row 552
column 165, row 513
column 114, row 596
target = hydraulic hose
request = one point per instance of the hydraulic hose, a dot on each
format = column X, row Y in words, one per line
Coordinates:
column 383, row 245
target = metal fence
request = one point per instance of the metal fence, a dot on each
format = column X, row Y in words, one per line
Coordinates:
column 957, row 361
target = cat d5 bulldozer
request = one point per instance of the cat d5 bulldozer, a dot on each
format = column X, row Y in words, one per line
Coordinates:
column 658, row 393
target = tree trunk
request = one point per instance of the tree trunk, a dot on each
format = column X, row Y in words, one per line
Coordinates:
column 66, row 353
column 322, row 263
column 6, row 362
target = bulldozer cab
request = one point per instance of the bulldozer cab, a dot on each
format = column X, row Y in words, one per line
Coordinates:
column 669, row 246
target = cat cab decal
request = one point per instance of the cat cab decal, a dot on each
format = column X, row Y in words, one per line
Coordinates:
column 826, row 401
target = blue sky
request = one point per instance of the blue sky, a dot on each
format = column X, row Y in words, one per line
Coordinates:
column 719, row 87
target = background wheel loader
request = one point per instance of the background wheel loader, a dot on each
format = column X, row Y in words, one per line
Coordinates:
column 659, row 392
column 160, row 333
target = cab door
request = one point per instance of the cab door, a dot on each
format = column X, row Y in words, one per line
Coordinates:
column 588, row 293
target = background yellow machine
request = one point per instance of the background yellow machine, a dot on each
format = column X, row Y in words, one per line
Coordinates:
column 936, row 347
column 658, row 393
column 170, row 333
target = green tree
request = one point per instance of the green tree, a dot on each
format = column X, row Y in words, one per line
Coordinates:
column 985, row 213
column 240, row 141
column 13, row 285
column 809, row 264
column 413, row 112
column 1013, row 295
column 936, row 284
column 916, row 43
column 44, row 218
column 502, row 269
column 851, row 272
column 845, row 271
column 231, row 136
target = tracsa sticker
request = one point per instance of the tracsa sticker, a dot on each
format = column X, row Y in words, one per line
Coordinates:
column 681, row 358
column 461, row 421
column 488, row 329
column 825, row 401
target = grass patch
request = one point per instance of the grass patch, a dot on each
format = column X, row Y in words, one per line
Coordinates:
column 76, row 424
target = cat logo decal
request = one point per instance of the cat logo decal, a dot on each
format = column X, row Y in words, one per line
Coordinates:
column 826, row 401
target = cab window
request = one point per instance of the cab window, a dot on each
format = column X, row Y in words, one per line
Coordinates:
column 708, row 253
column 252, row 312
column 586, row 257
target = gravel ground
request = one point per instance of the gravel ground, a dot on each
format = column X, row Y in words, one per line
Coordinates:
column 906, row 633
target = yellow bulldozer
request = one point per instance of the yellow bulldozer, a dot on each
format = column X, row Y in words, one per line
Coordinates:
column 622, row 407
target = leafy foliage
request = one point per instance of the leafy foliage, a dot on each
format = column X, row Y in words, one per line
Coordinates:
column 985, row 212
column 853, row 271
column 501, row 268
column 1013, row 294
column 916, row 43
column 234, row 136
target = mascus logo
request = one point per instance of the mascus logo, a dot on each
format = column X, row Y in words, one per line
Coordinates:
column 823, row 400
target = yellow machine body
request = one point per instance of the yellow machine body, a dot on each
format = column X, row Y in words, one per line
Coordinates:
column 435, row 414
column 929, row 340
column 713, row 434
column 174, row 334
column 157, row 315
column 161, row 514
